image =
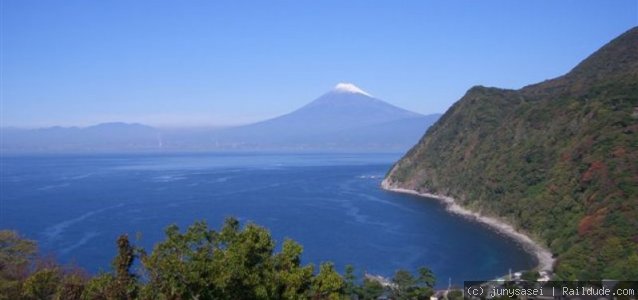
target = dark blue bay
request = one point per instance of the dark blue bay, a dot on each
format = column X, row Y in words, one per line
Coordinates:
column 76, row 206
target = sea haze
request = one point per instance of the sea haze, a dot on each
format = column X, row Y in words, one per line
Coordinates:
column 345, row 119
column 76, row 206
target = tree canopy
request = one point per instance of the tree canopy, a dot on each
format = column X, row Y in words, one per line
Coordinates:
column 200, row 263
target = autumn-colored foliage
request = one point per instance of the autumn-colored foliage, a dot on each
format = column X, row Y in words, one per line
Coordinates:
column 557, row 159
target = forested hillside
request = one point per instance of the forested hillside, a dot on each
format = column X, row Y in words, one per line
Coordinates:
column 558, row 159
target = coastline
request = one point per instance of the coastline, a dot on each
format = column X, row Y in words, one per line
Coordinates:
column 542, row 254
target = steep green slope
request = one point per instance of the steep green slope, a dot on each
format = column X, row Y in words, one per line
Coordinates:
column 559, row 160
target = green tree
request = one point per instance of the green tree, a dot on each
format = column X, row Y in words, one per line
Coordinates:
column 182, row 265
column 328, row 284
column 425, row 284
column 370, row 290
column 349, row 280
column 234, row 263
column 72, row 286
column 408, row 287
column 122, row 283
column 125, row 282
column 426, row 278
column 244, row 262
column 99, row 288
column 292, row 280
column 16, row 255
column 42, row 284
column 404, row 284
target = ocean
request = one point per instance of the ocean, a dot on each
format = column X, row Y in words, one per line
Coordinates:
column 75, row 206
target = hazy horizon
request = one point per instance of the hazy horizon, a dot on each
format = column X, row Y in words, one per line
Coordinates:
column 193, row 126
column 224, row 64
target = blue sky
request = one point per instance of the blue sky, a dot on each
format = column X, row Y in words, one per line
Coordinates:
column 194, row 63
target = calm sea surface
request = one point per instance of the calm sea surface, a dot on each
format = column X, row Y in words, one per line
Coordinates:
column 76, row 206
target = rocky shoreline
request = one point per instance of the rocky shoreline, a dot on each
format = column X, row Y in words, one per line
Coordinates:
column 542, row 254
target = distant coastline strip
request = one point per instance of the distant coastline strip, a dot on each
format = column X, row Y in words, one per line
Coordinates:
column 542, row 254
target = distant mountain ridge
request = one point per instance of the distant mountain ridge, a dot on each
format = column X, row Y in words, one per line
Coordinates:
column 112, row 136
column 558, row 159
column 343, row 119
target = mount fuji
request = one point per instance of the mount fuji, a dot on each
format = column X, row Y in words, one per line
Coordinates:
column 345, row 118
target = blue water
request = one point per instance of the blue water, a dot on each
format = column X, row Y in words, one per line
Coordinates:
column 76, row 206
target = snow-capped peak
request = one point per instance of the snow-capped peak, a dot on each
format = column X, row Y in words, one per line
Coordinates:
column 344, row 87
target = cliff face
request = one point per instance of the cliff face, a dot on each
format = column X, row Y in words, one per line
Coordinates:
column 558, row 160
